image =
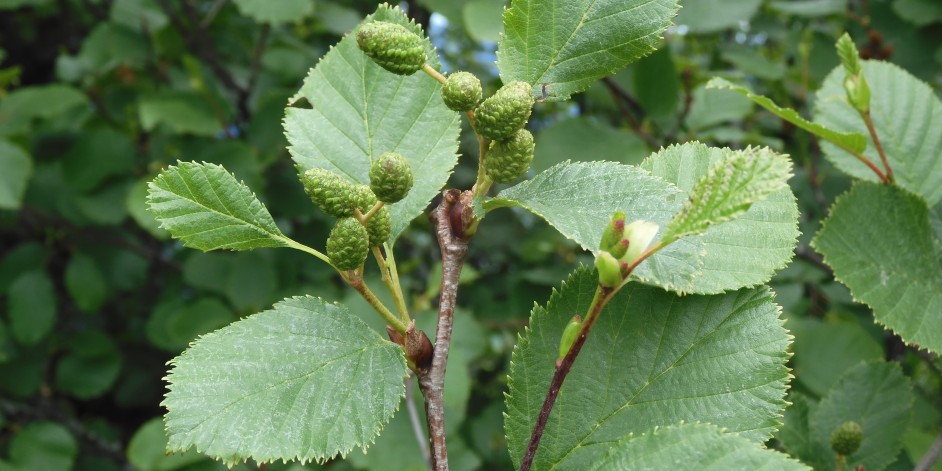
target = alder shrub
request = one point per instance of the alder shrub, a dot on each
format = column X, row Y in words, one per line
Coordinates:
column 668, row 353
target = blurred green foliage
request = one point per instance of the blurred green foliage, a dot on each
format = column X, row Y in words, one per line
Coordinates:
column 96, row 96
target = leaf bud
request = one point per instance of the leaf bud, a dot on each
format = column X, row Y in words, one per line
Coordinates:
column 392, row 46
column 639, row 234
column 505, row 112
column 846, row 438
column 609, row 268
column 330, row 192
column 462, row 91
column 390, row 177
column 570, row 334
column 858, row 92
column 347, row 244
column 509, row 160
column 614, row 233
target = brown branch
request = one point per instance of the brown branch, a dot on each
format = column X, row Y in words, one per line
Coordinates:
column 805, row 253
column 451, row 219
column 630, row 110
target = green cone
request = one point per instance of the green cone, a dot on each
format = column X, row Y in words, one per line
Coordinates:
column 330, row 192
column 390, row 177
column 846, row 438
column 505, row 112
column 509, row 160
column 392, row 46
column 462, row 91
column 347, row 245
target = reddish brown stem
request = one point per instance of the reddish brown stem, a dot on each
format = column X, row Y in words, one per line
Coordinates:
column 876, row 141
column 602, row 296
column 451, row 219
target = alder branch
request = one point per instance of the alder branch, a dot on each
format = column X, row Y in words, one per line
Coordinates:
column 451, row 219
column 630, row 109
column 932, row 455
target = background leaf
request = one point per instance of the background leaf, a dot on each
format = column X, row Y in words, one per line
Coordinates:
column 877, row 396
column 740, row 253
column 711, row 16
column 905, row 113
column 281, row 11
column 718, row 359
column 582, row 139
column 31, row 307
column 204, row 205
column 570, row 45
column 579, row 198
column 892, row 262
column 693, row 447
column 305, row 380
column 360, row 111
column 16, row 166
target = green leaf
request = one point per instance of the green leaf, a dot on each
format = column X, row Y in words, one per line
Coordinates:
column 91, row 367
column 824, row 351
column 32, row 307
column 657, row 84
column 281, row 11
column 905, row 111
column 748, row 250
column 567, row 46
column 16, row 167
column 208, row 209
column 136, row 205
column 729, row 188
column 147, row 449
column 43, row 445
column 847, row 51
column 879, row 242
column 305, row 380
column 182, row 113
column 810, row 8
column 653, row 359
column 877, row 396
column 172, row 326
column 694, row 447
column 851, row 139
column 23, row 105
column 918, row 12
column 711, row 16
column 110, row 45
column 581, row 138
column 483, row 19
column 714, row 106
column 360, row 111
column 139, row 15
column 579, row 198
column 97, row 155
column 85, row 283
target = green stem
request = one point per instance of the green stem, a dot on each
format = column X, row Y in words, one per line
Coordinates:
column 840, row 462
column 876, row 141
column 375, row 209
column 433, row 73
column 483, row 182
column 392, row 287
column 299, row 246
column 356, row 281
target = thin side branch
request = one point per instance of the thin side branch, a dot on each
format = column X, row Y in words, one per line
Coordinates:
column 602, row 295
column 416, row 422
column 631, row 109
column 932, row 455
column 876, row 141
column 451, row 219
